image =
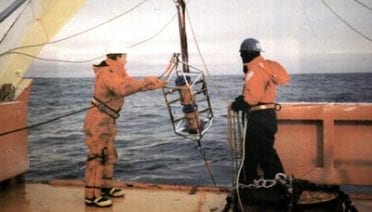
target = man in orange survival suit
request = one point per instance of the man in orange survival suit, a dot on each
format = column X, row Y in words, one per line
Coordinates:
column 258, row 102
column 112, row 84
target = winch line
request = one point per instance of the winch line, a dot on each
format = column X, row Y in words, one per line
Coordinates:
column 181, row 8
column 202, row 59
column 206, row 162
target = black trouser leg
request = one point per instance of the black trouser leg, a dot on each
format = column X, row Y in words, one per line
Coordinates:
column 261, row 129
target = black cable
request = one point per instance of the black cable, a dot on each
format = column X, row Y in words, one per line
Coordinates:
column 364, row 5
column 95, row 58
column 76, row 34
column 206, row 162
column 345, row 22
column 45, row 122
column 14, row 22
column 55, row 119
column 87, row 30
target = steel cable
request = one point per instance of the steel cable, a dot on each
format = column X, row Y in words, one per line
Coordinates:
column 79, row 33
column 345, row 22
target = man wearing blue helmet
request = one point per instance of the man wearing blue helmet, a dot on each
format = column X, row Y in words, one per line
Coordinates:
column 257, row 101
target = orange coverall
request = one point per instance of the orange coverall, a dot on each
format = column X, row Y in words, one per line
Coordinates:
column 112, row 83
column 261, row 81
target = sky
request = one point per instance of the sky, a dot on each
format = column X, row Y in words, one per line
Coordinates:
column 303, row 35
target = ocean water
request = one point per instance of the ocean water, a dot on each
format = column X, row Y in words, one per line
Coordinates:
column 148, row 149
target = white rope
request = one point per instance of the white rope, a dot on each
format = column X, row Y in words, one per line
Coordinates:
column 202, row 59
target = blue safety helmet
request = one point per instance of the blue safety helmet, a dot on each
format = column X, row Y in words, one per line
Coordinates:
column 250, row 45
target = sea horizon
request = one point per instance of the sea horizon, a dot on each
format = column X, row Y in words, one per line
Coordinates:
column 205, row 74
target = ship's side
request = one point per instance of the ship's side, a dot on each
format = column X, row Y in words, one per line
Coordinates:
column 14, row 160
column 327, row 142
column 26, row 26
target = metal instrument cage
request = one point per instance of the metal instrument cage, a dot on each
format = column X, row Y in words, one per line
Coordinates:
column 198, row 86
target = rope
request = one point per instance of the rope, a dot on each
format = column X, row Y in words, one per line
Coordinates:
column 97, row 57
column 14, row 22
column 345, row 22
column 364, row 5
column 241, row 163
column 76, row 34
column 54, row 119
column 230, row 139
column 45, row 122
column 181, row 8
column 206, row 162
column 56, row 60
column 202, row 58
column 156, row 34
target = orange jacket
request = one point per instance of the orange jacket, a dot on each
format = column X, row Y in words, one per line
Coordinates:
column 112, row 84
column 261, row 80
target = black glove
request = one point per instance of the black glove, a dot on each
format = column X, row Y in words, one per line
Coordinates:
column 239, row 104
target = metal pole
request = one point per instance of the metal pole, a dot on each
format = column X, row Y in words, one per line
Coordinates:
column 181, row 6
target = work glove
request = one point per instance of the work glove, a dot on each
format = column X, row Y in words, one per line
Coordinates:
column 239, row 104
column 152, row 83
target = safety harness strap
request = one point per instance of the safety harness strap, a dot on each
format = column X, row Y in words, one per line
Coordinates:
column 95, row 157
column 275, row 106
column 107, row 178
column 93, row 187
column 105, row 108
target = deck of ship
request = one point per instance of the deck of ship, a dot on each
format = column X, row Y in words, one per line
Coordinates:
column 68, row 195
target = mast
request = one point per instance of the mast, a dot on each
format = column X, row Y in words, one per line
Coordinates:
column 181, row 7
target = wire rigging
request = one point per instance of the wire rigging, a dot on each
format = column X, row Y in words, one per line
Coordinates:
column 76, row 34
column 70, row 61
column 97, row 57
column 202, row 58
column 345, row 22
column 82, row 61
column 55, row 118
column 156, row 34
column 14, row 22
column 56, row 60
column 364, row 5
column 46, row 122
column 100, row 56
